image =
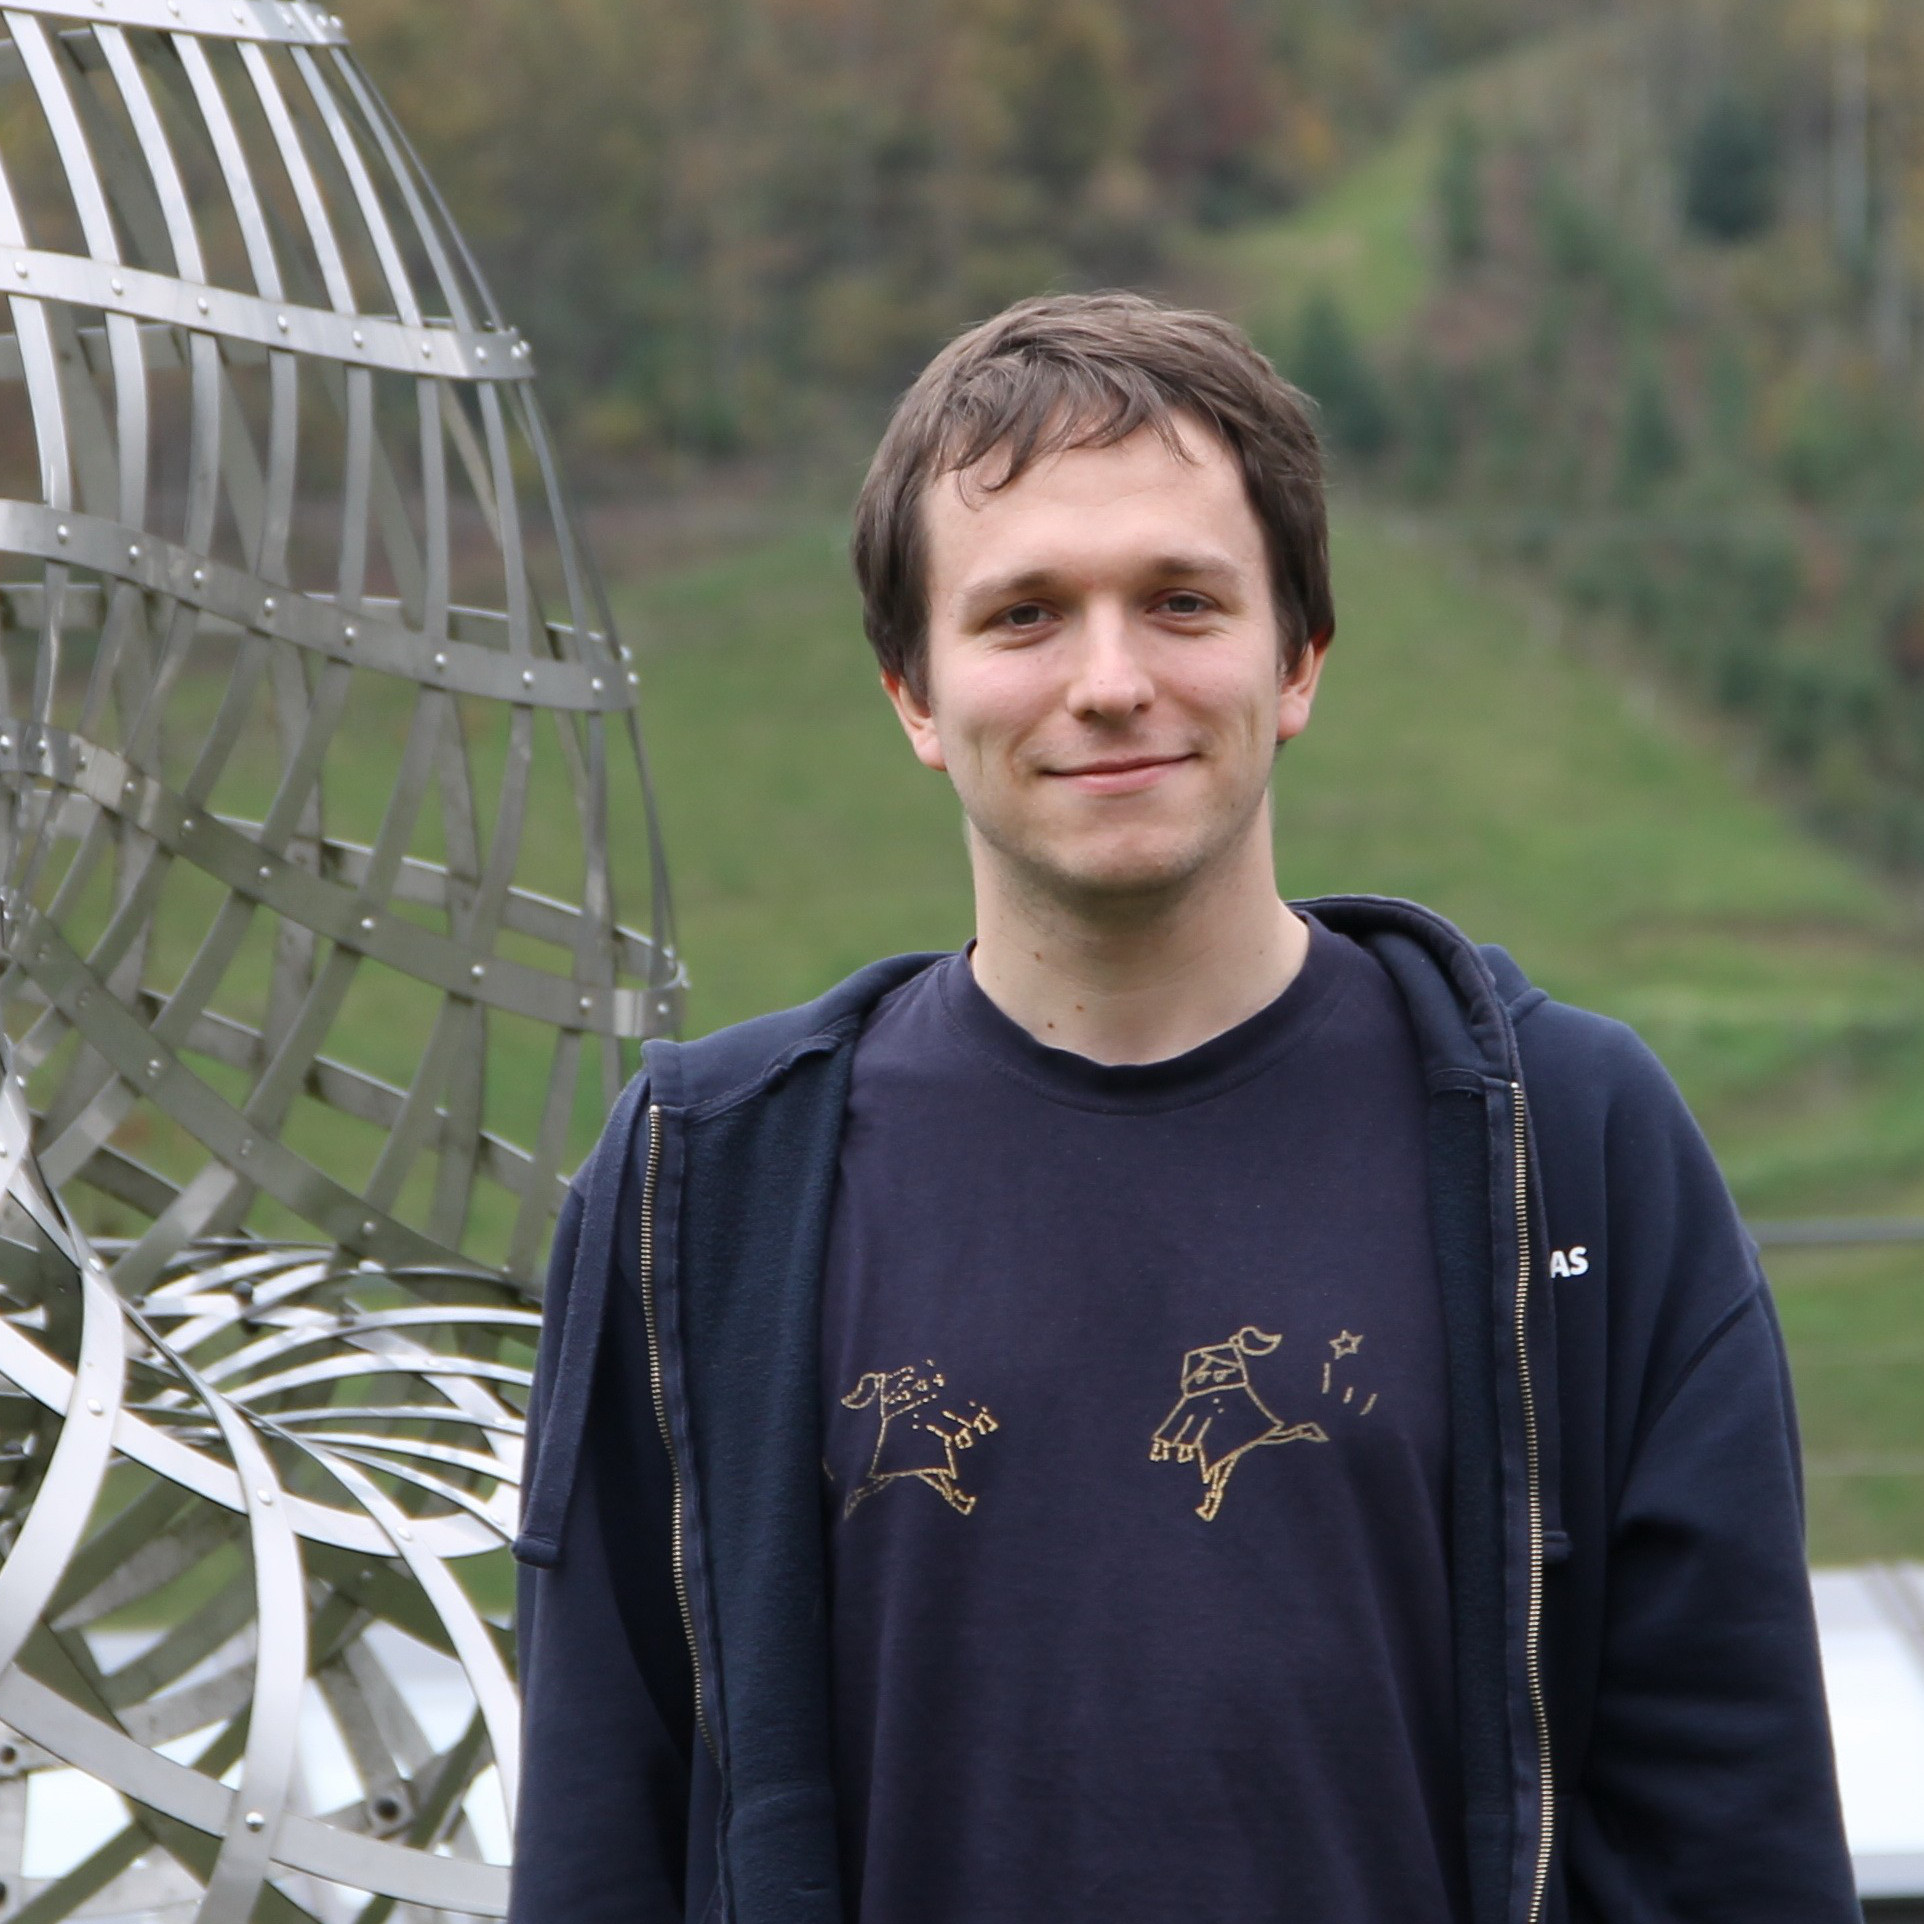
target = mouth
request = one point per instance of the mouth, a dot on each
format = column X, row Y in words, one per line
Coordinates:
column 1118, row 774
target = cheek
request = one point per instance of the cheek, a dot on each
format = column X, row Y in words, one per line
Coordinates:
column 989, row 708
column 1238, row 703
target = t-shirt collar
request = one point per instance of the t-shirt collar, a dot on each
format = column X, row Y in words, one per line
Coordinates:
column 1221, row 1063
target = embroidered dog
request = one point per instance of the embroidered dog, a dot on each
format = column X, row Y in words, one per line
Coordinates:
column 916, row 1436
column 1219, row 1417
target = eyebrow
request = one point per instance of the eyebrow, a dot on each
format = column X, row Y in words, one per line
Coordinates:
column 1029, row 581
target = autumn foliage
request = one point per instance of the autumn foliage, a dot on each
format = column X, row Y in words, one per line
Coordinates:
column 719, row 219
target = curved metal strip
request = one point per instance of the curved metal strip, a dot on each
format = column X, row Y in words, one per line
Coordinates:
column 370, row 1446
column 522, row 910
column 316, row 1328
column 259, row 1803
column 179, row 1713
column 313, row 622
column 337, row 1369
column 120, row 452
column 225, row 1264
column 50, row 1383
column 303, row 1844
column 170, row 198
column 145, row 1063
column 361, row 185
column 344, row 916
column 498, row 1513
column 508, row 1428
column 479, row 1405
column 316, row 217
column 401, row 171
column 218, row 122
column 298, row 22
column 473, row 1643
column 348, row 339
column 54, row 1526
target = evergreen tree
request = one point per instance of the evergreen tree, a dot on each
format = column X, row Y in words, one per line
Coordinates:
column 1649, row 447
column 1330, row 366
column 1459, row 193
column 1730, row 172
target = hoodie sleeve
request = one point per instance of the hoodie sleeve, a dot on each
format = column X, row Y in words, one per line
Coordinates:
column 607, row 1713
column 1706, row 1790
column 1712, row 1792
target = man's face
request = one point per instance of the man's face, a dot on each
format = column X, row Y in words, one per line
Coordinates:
column 1104, row 680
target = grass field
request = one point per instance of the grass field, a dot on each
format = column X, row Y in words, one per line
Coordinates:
column 1523, row 782
column 1362, row 242
column 1368, row 239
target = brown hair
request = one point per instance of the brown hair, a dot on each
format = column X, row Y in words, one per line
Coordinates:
column 1087, row 370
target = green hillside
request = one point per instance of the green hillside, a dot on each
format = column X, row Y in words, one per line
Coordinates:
column 1528, row 784
column 1589, row 307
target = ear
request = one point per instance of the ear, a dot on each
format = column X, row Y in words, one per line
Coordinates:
column 1297, row 694
column 917, row 719
column 1255, row 1342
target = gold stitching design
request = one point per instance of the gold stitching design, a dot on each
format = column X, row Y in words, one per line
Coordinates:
column 1343, row 1347
column 909, row 1443
column 1219, row 1417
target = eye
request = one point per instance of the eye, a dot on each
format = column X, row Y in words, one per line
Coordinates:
column 1185, row 601
column 1025, row 614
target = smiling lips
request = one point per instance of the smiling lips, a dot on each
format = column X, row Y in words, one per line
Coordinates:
column 1122, row 775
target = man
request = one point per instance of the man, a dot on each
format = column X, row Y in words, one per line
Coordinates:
column 1193, row 1408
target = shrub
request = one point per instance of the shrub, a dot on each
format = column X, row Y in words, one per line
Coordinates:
column 1840, row 445
column 1796, row 718
column 1431, row 431
column 1330, row 365
column 1575, row 240
column 1459, row 193
column 1728, row 398
column 1648, row 445
column 1730, row 172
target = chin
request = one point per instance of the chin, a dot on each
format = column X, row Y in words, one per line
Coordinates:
column 1142, row 862
column 1118, row 876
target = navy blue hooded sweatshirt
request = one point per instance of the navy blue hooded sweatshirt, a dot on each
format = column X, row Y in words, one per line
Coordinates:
column 1641, row 1717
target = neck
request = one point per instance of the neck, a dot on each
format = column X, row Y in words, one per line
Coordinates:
column 1136, row 980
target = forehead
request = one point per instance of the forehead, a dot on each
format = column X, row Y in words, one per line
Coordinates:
column 1090, row 508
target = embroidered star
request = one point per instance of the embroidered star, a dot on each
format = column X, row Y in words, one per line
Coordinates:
column 1345, row 1344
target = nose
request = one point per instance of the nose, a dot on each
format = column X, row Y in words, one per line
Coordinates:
column 1111, row 679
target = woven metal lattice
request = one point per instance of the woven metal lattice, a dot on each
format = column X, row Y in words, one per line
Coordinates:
column 241, row 1675
column 320, row 777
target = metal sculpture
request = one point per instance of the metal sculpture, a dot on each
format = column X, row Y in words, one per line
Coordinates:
column 315, row 739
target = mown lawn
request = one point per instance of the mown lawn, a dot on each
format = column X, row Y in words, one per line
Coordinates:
column 1465, row 753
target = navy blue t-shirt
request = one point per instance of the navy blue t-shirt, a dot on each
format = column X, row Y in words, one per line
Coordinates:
column 1136, row 1443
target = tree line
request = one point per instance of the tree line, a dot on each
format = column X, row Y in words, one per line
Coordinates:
column 1671, row 361
column 721, row 221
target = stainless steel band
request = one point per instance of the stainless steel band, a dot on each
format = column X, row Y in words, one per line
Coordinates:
column 353, row 339
column 293, row 22
column 361, row 637
column 344, row 915
column 248, row 1827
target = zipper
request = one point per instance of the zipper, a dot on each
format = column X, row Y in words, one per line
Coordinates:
column 1533, row 1621
column 677, row 1550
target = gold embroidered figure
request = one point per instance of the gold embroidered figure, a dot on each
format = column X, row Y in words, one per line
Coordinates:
column 1219, row 1416
column 914, row 1438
